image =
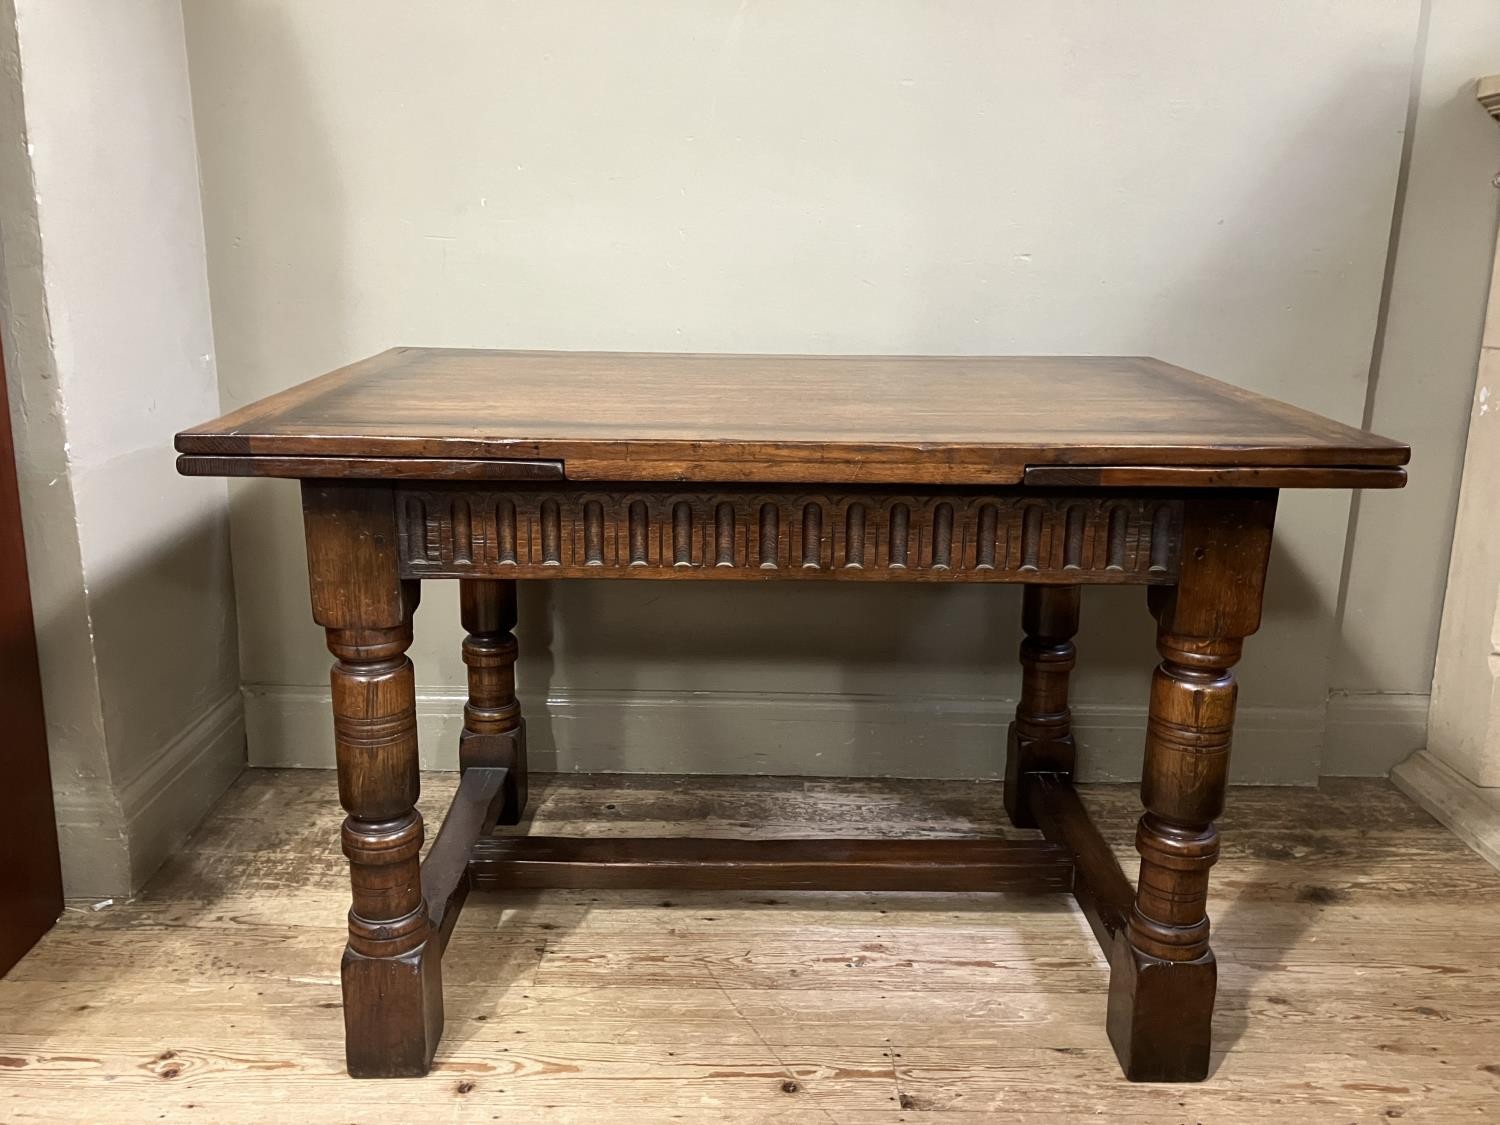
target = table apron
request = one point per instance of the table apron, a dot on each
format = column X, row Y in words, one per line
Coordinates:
column 588, row 530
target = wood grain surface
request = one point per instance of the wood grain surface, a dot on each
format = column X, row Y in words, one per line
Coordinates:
column 698, row 863
column 756, row 533
column 1357, row 979
column 914, row 419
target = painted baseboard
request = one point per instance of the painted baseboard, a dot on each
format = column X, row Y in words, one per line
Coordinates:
column 780, row 734
column 165, row 802
column 1470, row 811
column 154, row 809
column 1369, row 733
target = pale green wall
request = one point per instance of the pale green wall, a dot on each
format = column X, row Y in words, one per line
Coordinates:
column 1213, row 185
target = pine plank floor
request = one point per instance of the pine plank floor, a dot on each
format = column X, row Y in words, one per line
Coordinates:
column 1357, row 943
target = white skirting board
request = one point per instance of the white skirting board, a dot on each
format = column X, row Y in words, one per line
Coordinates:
column 154, row 809
column 1472, row 813
column 812, row 735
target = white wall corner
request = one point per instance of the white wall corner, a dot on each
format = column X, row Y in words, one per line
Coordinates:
column 1464, row 732
column 107, row 310
column 1456, row 776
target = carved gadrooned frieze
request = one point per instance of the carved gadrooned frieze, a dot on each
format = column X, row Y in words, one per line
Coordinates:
column 965, row 536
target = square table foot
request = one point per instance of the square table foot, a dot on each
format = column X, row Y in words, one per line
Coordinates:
column 1160, row 1014
column 393, row 1012
column 1040, row 741
column 1027, row 759
column 501, row 750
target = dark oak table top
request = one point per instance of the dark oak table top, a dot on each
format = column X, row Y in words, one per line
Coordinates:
column 471, row 414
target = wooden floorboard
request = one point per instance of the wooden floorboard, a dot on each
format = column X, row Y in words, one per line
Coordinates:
column 1356, row 942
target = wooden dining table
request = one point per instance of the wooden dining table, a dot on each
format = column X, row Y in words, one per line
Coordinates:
column 1052, row 473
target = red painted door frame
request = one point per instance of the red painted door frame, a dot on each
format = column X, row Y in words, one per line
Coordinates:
column 30, row 873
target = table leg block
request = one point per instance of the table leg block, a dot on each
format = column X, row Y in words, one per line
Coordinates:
column 494, row 734
column 393, row 1012
column 393, row 1001
column 1160, row 1014
column 1040, row 741
column 1162, row 972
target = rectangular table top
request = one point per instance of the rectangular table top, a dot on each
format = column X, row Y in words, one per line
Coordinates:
column 474, row 414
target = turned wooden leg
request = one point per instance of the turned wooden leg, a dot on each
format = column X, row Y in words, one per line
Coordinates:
column 1163, row 976
column 1041, row 738
column 393, row 1003
column 494, row 732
